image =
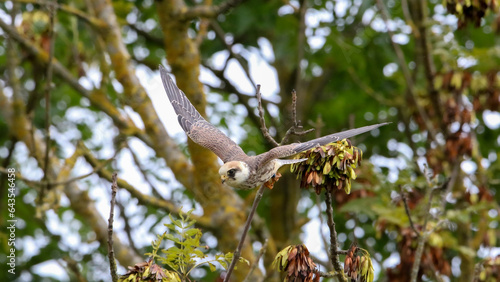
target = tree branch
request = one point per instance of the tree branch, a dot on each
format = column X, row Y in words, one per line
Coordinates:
column 142, row 198
column 147, row 35
column 262, row 251
column 424, row 235
column 94, row 22
column 411, row 95
column 296, row 123
column 158, row 140
column 79, row 200
column 205, row 11
column 111, row 252
column 242, row 98
column 334, row 254
column 407, row 209
column 237, row 252
column 263, row 127
column 48, row 88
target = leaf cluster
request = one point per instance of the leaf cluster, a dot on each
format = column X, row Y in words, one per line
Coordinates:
column 186, row 254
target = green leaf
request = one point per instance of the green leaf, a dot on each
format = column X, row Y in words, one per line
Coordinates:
column 212, row 267
column 192, row 232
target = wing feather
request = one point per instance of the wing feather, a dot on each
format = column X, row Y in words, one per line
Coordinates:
column 295, row 148
column 196, row 127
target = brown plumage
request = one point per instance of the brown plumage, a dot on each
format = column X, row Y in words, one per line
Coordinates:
column 239, row 170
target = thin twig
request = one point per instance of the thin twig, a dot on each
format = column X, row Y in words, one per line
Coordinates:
column 262, row 251
column 48, row 88
column 407, row 209
column 263, row 127
column 301, row 39
column 144, row 199
column 430, row 69
column 408, row 19
column 229, row 47
column 321, row 221
column 334, row 253
column 425, row 234
column 128, row 228
column 406, row 72
column 421, row 241
column 208, row 11
column 451, row 182
column 111, row 252
column 237, row 252
column 72, row 265
column 95, row 22
column 144, row 173
column 296, row 123
column 227, row 86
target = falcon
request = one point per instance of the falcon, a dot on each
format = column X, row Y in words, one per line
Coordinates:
column 240, row 170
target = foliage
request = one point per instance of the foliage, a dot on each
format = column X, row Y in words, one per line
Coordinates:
column 186, row 254
column 429, row 182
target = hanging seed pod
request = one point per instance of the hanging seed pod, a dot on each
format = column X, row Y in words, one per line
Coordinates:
column 328, row 167
column 296, row 263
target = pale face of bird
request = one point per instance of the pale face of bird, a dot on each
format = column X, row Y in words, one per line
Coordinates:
column 235, row 174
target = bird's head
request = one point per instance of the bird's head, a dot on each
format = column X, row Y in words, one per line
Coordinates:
column 234, row 173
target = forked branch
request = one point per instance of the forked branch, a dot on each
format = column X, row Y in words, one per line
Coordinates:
column 293, row 130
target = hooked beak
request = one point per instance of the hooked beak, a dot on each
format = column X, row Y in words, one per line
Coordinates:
column 223, row 178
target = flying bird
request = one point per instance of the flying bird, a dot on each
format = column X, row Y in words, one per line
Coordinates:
column 240, row 170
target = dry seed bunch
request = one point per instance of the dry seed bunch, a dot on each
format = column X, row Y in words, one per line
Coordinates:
column 330, row 166
column 295, row 261
column 358, row 265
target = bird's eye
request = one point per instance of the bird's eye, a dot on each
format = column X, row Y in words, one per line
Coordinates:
column 231, row 172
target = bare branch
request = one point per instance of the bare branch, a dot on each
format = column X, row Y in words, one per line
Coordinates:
column 237, row 252
column 160, row 141
column 321, row 221
column 147, row 35
column 206, row 11
column 334, row 253
column 262, row 251
column 409, row 20
column 422, row 240
column 111, row 252
column 94, row 22
column 422, row 37
column 127, row 228
column 143, row 172
column 242, row 98
column 296, row 123
column 48, row 88
column 263, row 127
column 142, row 198
column 243, row 63
column 411, row 95
column 407, row 209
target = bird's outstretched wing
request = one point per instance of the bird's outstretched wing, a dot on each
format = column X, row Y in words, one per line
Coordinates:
column 196, row 127
column 295, row 148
